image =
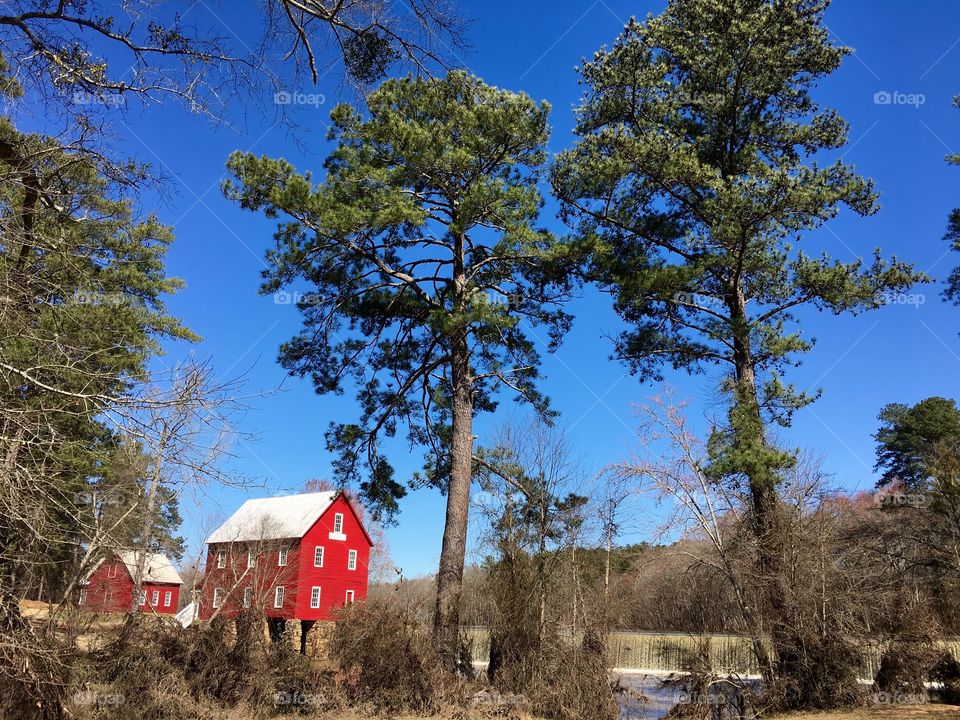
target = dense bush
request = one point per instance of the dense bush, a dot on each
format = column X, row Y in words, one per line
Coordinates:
column 905, row 666
column 156, row 670
column 573, row 682
column 817, row 672
column 387, row 658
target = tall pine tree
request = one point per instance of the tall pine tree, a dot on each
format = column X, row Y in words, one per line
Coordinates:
column 423, row 256
column 692, row 178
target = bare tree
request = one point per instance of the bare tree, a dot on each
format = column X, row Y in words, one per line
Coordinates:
column 370, row 36
column 808, row 649
column 529, row 478
column 186, row 426
column 98, row 56
column 670, row 466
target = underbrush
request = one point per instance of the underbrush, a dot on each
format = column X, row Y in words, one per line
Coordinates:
column 382, row 662
column 160, row 671
column 573, row 682
column 387, row 661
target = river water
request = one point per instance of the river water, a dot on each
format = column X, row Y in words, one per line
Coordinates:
column 659, row 698
column 648, row 697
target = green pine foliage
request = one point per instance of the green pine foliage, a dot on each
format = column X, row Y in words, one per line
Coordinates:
column 702, row 161
column 82, row 314
column 420, row 249
column 952, row 290
column 910, row 436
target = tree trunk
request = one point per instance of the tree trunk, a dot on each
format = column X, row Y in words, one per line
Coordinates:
column 541, row 564
column 446, row 621
column 148, row 520
column 749, row 443
column 606, row 581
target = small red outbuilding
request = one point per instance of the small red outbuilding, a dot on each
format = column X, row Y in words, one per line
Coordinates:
column 109, row 586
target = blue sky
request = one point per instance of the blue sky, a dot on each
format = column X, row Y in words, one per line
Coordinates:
column 904, row 352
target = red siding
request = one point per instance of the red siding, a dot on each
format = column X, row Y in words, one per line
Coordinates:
column 103, row 593
column 299, row 576
column 333, row 579
column 262, row 579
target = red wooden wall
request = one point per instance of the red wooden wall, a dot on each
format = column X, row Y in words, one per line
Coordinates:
column 333, row 579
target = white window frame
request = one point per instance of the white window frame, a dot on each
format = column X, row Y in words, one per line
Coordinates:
column 282, row 557
column 251, row 559
column 278, row 596
column 318, row 553
column 221, row 559
column 352, row 560
column 167, row 598
column 315, row 597
column 142, row 597
column 82, row 600
column 112, row 570
column 338, row 523
column 155, row 598
column 217, row 597
column 247, row 596
column 348, row 598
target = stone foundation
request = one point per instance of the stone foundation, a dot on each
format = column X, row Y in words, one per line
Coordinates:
column 314, row 645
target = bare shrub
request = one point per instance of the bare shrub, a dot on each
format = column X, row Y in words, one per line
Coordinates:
column 905, row 666
column 573, row 682
column 946, row 672
column 298, row 685
column 387, row 658
column 818, row 671
column 707, row 695
column 515, row 632
column 139, row 671
column 158, row 670
column 34, row 670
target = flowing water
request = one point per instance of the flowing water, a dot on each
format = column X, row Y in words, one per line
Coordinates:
column 642, row 660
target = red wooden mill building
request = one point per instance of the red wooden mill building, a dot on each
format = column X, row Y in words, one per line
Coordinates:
column 296, row 557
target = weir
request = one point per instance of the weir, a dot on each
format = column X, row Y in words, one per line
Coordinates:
column 671, row 652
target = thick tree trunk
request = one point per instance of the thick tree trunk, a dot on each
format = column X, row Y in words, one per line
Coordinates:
column 750, row 444
column 446, row 623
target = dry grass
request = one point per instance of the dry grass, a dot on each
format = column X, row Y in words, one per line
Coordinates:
column 895, row 712
column 900, row 712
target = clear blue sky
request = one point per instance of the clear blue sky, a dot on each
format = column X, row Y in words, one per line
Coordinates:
column 901, row 353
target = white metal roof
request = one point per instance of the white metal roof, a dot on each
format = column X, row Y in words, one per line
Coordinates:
column 156, row 568
column 288, row 516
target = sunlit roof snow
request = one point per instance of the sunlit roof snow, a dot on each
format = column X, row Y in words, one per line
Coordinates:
column 289, row 516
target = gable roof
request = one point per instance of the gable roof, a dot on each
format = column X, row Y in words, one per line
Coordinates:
column 276, row 518
column 157, row 568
